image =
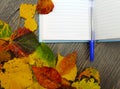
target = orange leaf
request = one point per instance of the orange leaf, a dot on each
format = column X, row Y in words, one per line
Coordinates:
column 67, row 63
column 1, row 66
column 44, row 6
column 5, row 54
column 47, row 77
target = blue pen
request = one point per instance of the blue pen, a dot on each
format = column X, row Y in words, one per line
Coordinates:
column 92, row 42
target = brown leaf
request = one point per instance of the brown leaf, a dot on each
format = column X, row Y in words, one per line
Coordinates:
column 47, row 77
column 4, row 56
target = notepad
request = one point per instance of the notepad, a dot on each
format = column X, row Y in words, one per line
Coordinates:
column 71, row 21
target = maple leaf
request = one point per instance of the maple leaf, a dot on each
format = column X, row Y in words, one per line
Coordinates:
column 66, row 66
column 44, row 6
column 47, row 77
column 23, row 42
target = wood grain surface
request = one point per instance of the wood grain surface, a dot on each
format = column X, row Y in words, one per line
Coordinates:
column 107, row 55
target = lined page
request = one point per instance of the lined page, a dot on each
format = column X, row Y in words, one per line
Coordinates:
column 107, row 19
column 70, row 20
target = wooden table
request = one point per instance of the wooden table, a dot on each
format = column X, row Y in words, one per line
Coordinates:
column 107, row 55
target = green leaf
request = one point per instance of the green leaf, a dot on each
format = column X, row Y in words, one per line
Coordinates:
column 45, row 55
column 5, row 30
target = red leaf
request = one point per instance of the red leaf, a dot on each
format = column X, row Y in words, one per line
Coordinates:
column 20, row 32
column 47, row 77
column 3, row 45
column 17, row 50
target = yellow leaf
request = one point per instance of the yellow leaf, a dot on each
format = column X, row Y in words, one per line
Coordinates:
column 90, row 72
column 35, row 85
column 60, row 57
column 71, row 72
column 18, row 71
column 27, row 10
column 71, row 75
column 15, row 85
column 30, row 24
column 86, row 84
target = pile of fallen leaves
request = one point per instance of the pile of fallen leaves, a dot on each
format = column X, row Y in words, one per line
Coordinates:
column 27, row 64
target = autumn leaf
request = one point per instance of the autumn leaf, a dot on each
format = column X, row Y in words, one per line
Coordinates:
column 15, row 85
column 27, row 10
column 45, row 55
column 35, row 85
column 5, row 54
column 23, row 42
column 88, row 79
column 90, row 72
column 66, row 87
column 1, row 66
column 47, row 77
column 86, row 84
column 67, row 63
column 5, row 30
column 44, row 6
column 66, row 66
column 19, row 33
column 3, row 45
column 16, row 72
column 30, row 24
column 65, row 84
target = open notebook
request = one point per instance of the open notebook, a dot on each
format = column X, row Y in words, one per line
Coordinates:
column 73, row 20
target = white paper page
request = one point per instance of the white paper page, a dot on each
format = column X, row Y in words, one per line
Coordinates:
column 107, row 19
column 70, row 20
